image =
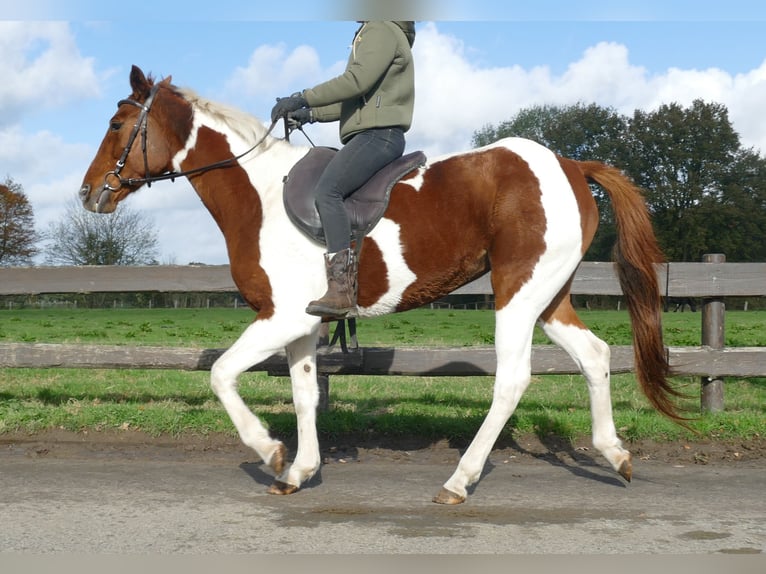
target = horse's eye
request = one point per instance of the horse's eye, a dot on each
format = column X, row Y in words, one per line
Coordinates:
column 115, row 126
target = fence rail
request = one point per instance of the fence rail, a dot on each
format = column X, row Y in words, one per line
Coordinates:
column 408, row 361
column 592, row 278
column 711, row 281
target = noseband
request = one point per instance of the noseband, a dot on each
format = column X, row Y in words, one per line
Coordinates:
column 141, row 126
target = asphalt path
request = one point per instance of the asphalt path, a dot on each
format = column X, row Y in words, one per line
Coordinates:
column 126, row 503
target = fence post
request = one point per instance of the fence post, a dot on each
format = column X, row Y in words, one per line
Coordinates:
column 713, row 312
column 323, row 380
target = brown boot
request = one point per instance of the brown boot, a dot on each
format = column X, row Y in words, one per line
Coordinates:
column 340, row 298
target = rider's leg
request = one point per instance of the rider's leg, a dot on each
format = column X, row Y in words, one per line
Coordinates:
column 355, row 163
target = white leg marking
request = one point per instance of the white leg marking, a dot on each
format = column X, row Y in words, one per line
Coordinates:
column 301, row 358
column 592, row 356
column 258, row 342
column 513, row 343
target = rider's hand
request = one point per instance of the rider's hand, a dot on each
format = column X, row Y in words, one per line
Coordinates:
column 287, row 105
column 299, row 117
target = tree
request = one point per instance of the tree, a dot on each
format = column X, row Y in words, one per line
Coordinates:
column 578, row 131
column 699, row 181
column 735, row 222
column 17, row 228
column 84, row 238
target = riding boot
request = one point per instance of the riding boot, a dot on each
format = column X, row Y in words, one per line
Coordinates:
column 340, row 298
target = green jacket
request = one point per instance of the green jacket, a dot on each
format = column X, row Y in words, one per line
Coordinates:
column 378, row 87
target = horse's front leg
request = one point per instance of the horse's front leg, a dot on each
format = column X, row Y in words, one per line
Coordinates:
column 301, row 358
column 259, row 341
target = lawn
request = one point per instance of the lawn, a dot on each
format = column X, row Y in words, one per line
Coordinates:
column 434, row 408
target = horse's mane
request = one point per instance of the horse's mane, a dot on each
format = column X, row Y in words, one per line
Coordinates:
column 246, row 125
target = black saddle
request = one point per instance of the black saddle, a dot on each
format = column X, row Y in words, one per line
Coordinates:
column 365, row 206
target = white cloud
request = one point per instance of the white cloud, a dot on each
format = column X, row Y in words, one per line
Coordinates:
column 455, row 96
column 41, row 67
column 42, row 164
column 273, row 71
column 745, row 103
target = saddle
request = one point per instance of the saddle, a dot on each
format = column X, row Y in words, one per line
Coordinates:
column 365, row 206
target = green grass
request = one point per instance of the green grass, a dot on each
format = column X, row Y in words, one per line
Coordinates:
column 220, row 327
column 429, row 408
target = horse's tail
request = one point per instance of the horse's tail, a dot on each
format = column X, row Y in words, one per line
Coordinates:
column 635, row 253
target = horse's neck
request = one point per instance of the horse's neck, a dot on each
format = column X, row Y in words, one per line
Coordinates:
column 242, row 196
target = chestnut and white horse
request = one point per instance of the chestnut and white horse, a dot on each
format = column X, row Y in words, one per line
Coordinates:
column 513, row 208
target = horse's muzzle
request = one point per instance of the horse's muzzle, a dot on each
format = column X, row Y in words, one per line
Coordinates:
column 84, row 195
column 98, row 201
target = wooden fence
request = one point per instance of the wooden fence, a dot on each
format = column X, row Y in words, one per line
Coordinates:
column 711, row 280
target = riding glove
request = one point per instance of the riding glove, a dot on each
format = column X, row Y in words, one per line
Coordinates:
column 287, row 105
column 299, row 117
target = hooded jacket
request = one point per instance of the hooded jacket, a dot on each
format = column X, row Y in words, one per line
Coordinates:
column 377, row 89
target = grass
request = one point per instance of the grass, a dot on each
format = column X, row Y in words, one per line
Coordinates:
column 430, row 408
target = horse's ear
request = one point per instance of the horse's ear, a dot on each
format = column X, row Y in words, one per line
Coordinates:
column 138, row 82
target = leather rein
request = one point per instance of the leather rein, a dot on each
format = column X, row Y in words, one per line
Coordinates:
column 141, row 127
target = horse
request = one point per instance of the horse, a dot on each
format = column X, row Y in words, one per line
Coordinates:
column 514, row 209
column 679, row 303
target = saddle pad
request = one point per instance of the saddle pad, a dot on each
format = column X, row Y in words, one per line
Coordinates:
column 365, row 206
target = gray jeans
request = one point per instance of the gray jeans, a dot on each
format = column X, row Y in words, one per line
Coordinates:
column 355, row 163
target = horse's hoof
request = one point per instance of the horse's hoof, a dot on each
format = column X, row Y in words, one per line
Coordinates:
column 448, row 497
column 626, row 469
column 279, row 487
column 278, row 459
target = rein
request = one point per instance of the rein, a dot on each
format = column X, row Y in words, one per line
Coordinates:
column 141, row 126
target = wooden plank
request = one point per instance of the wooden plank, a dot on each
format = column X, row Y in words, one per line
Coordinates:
column 717, row 279
column 469, row 361
column 591, row 278
column 109, row 278
column 679, row 279
column 727, row 362
column 407, row 361
column 597, row 278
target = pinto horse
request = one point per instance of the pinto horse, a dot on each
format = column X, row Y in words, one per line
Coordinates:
column 513, row 209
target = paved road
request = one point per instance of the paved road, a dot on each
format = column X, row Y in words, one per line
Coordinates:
column 111, row 503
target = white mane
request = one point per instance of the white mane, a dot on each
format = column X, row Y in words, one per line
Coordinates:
column 246, row 125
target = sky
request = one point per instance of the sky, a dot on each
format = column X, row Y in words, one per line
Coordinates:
column 65, row 64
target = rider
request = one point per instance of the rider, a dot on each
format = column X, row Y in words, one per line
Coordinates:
column 374, row 100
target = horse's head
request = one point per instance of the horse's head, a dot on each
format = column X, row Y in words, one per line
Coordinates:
column 139, row 143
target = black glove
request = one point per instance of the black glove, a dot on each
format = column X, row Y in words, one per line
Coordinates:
column 299, row 117
column 287, row 105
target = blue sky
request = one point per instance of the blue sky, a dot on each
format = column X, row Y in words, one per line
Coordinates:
column 65, row 65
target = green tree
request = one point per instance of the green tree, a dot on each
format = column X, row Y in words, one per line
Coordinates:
column 734, row 222
column 17, row 227
column 124, row 237
column 691, row 164
column 583, row 132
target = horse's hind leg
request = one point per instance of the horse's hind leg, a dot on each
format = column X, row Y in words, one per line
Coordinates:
column 513, row 343
column 592, row 355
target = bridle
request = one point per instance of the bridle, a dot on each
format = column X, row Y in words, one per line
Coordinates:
column 141, row 127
